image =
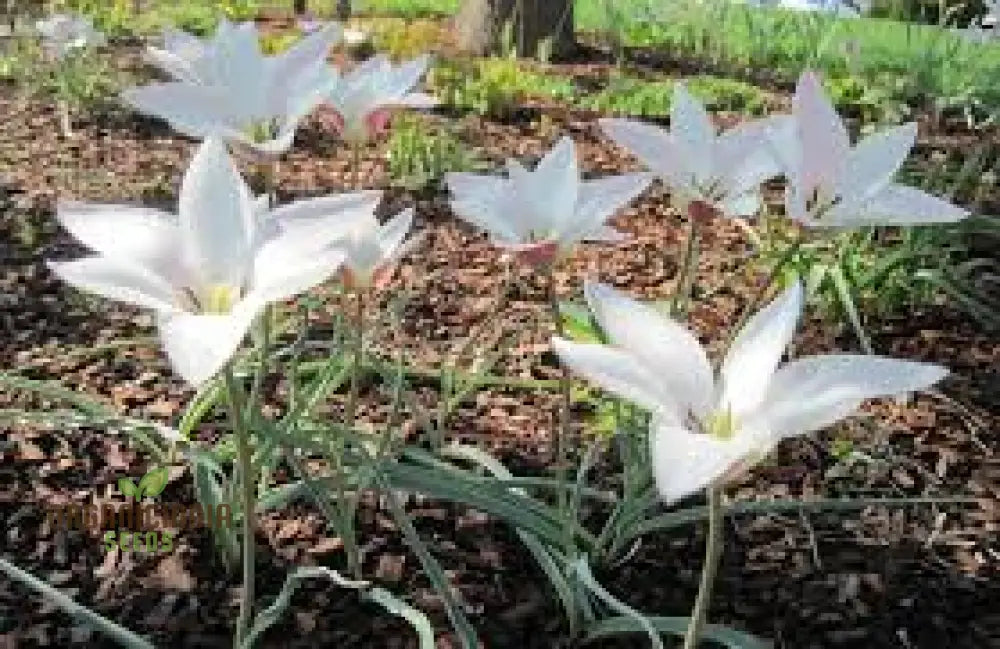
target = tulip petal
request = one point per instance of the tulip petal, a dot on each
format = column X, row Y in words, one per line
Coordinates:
column 550, row 193
column 823, row 137
column 651, row 145
column 693, row 133
column 666, row 350
column 812, row 393
column 140, row 234
column 685, row 463
column 616, row 371
column 482, row 201
column 875, row 160
column 217, row 217
column 117, row 279
column 599, row 200
column 198, row 346
column 280, row 279
column 896, row 205
column 196, row 111
column 757, row 350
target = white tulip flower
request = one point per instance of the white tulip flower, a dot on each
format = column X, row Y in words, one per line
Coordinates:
column 210, row 270
column 365, row 97
column 370, row 249
column 721, row 171
column 63, row 33
column 226, row 87
column 543, row 213
column 707, row 429
column 831, row 184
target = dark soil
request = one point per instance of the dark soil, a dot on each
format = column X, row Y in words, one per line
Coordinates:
column 920, row 576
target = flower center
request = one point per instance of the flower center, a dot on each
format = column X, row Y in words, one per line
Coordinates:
column 720, row 424
column 261, row 131
column 218, row 299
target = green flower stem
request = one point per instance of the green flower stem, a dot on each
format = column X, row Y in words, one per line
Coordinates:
column 359, row 177
column 680, row 302
column 561, row 438
column 713, row 553
column 347, row 511
column 245, row 468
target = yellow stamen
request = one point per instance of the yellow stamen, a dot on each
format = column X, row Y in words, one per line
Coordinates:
column 218, row 299
column 721, row 425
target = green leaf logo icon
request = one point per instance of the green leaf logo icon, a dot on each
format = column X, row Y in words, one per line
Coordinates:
column 154, row 482
column 128, row 488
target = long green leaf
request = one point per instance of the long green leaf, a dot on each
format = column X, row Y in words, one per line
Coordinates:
column 119, row 634
column 266, row 618
column 452, row 602
column 629, row 613
column 674, row 626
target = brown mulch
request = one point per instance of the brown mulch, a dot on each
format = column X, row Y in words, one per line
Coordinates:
column 918, row 576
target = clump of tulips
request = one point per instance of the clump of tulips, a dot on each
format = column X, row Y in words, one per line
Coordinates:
column 215, row 270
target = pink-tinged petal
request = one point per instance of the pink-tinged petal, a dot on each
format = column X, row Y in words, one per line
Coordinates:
column 536, row 255
column 662, row 346
column 377, row 122
column 757, row 350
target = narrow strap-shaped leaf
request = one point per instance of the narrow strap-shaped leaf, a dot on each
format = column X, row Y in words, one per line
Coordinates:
column 634, row 616
column 452, row 603
column 676, row 626
column 119, row 634
column 399, row 608
column 273, row 613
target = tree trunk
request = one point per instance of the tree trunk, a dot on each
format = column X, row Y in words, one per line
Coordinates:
column 538, row 28
column 299, row 7
column 343, row 10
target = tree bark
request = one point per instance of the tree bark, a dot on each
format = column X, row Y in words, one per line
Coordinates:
column 299, row 7
column 343, row 10
column 536, row 27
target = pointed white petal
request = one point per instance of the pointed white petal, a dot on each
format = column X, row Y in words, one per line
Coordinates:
column 668, row 351
column 757, row 350
column 693, row 133
column 196, row 111
column 812, row 393
column 117, row 279
column 896, row 205
column 280, row 279
column 392, row 234
column 875, row 160
column 198, row 346
column 599, row 200
column 651, row 145
column 823, row 137
column 403, row 79
column 685, row 463
column 217, row 217
column 484, row 202
column 616, row 371
column 121, row 231
column 550, row 194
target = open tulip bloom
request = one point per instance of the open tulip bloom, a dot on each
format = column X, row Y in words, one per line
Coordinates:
column 227, row 87
column 723, row 171
column 365, row 96
column 63, row 33
column 370, row 249
column 543, row 213
column 705, row 429
column 208, row 272
column 832, row 184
